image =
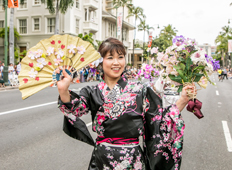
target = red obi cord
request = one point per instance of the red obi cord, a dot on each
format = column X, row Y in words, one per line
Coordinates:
column 117, row 141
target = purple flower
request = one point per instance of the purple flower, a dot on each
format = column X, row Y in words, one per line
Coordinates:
column 146, row 76
column 215, row 64
column 179, row 40
column 208, row 58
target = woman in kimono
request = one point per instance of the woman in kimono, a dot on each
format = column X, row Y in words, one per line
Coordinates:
column 121, row 111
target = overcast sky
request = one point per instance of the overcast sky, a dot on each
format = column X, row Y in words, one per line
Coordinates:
column 201, row 20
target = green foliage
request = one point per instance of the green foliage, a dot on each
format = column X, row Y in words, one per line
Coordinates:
column 89, row 38
column 164, row 40
column 63, row 5
column 2, row 33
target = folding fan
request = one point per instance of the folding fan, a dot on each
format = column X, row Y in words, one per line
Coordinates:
column 41, row 61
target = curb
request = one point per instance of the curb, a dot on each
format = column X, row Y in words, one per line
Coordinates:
column 8, row 88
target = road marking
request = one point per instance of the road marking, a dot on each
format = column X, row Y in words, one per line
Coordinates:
column 217, row 93
column 219, row 103
column 6, row 90
column 26, row 108
column 227, row 135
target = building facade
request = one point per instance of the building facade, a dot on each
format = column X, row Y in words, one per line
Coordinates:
column 34, row 22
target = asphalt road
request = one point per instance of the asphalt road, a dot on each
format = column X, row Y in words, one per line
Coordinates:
column 32, row 138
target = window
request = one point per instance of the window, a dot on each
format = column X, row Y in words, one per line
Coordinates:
column 37, row 2
column 22, row 26
column 124, row 34
column 111, row 30
column 51, row 25
column 24, row 5
column 77, row 4
column 77, row 26
column 2, row 24
column 36, row 24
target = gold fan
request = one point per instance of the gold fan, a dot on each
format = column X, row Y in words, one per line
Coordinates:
column 38, row 67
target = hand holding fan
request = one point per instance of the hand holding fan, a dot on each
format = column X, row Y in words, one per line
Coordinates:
column 41, row 61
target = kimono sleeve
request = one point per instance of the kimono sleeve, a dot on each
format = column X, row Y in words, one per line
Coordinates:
column 73, row 126
column 77, row 107
column 164, row 130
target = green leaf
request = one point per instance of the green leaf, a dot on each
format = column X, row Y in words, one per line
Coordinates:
column 177, row 79
column 176, row 67
column 198, row 77
column 181, row 59
column 200, row 67
column 192, row 52
column 188, row 63
column 182, row 66
column 180, row 89
column 181, row 75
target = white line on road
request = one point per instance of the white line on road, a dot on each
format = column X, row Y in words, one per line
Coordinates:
column 217, row 93
column 227, row 135
column 26, row 108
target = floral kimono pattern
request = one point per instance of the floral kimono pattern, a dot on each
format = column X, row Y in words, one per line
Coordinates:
column 119, row 117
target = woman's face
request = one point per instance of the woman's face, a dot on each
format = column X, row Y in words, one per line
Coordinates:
column 113, row 65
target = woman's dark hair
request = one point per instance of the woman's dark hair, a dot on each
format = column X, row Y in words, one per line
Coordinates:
column 111, row 45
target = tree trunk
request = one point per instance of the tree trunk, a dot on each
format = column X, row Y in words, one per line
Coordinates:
column 134, row 42
column 11, row 36
column 122, row 22
column 57, row 18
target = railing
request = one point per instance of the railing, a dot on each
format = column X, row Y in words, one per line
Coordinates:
column 90, row 25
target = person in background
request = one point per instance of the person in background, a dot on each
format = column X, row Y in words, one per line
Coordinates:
column 224, row 72
column 2, row 68
column 2, row 84
column 18, row 68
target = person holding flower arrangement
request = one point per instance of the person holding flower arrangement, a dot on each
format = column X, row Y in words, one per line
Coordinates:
column 122, row 111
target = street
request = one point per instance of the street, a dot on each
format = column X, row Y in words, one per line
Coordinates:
column 31, row 136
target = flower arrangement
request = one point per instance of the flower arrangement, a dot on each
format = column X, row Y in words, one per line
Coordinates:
column 147, row 71
column 184, row 64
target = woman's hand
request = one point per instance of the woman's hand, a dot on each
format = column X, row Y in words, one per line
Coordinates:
column 184, row 98
column 63, row 85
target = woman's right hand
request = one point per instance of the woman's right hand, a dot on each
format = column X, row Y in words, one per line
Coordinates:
column 63, row 85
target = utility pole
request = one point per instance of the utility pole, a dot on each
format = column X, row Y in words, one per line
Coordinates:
column 5, row 71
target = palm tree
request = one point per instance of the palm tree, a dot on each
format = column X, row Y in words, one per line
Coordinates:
column 168, row 32
column 143, row 27
column 61, row 6
column 137, row 12
column 122, row 3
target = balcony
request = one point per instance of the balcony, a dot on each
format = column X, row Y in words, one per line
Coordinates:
column 90, row 26
column 91, row 4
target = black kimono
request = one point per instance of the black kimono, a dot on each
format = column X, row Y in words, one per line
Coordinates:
column 119, row 117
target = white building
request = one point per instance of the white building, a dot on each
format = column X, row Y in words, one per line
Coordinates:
column 34, row 22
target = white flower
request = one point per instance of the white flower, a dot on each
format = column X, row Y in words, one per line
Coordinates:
column 38, row 53
column 41, row 62
column 59, row 54
column 71, row 48
column 154, row 50
column 58, row 61
column 33, row 73
column 31, row 55
column 81, row 49
column 181, row 47
column 209, row 69
column 198, row 56
column 50, row 50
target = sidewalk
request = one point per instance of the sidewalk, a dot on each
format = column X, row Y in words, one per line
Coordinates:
column 8, row 88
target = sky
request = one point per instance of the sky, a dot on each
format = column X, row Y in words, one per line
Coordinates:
column 201, row 20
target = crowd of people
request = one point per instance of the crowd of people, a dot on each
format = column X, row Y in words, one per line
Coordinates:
column 224, row 73
column 13, row 71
